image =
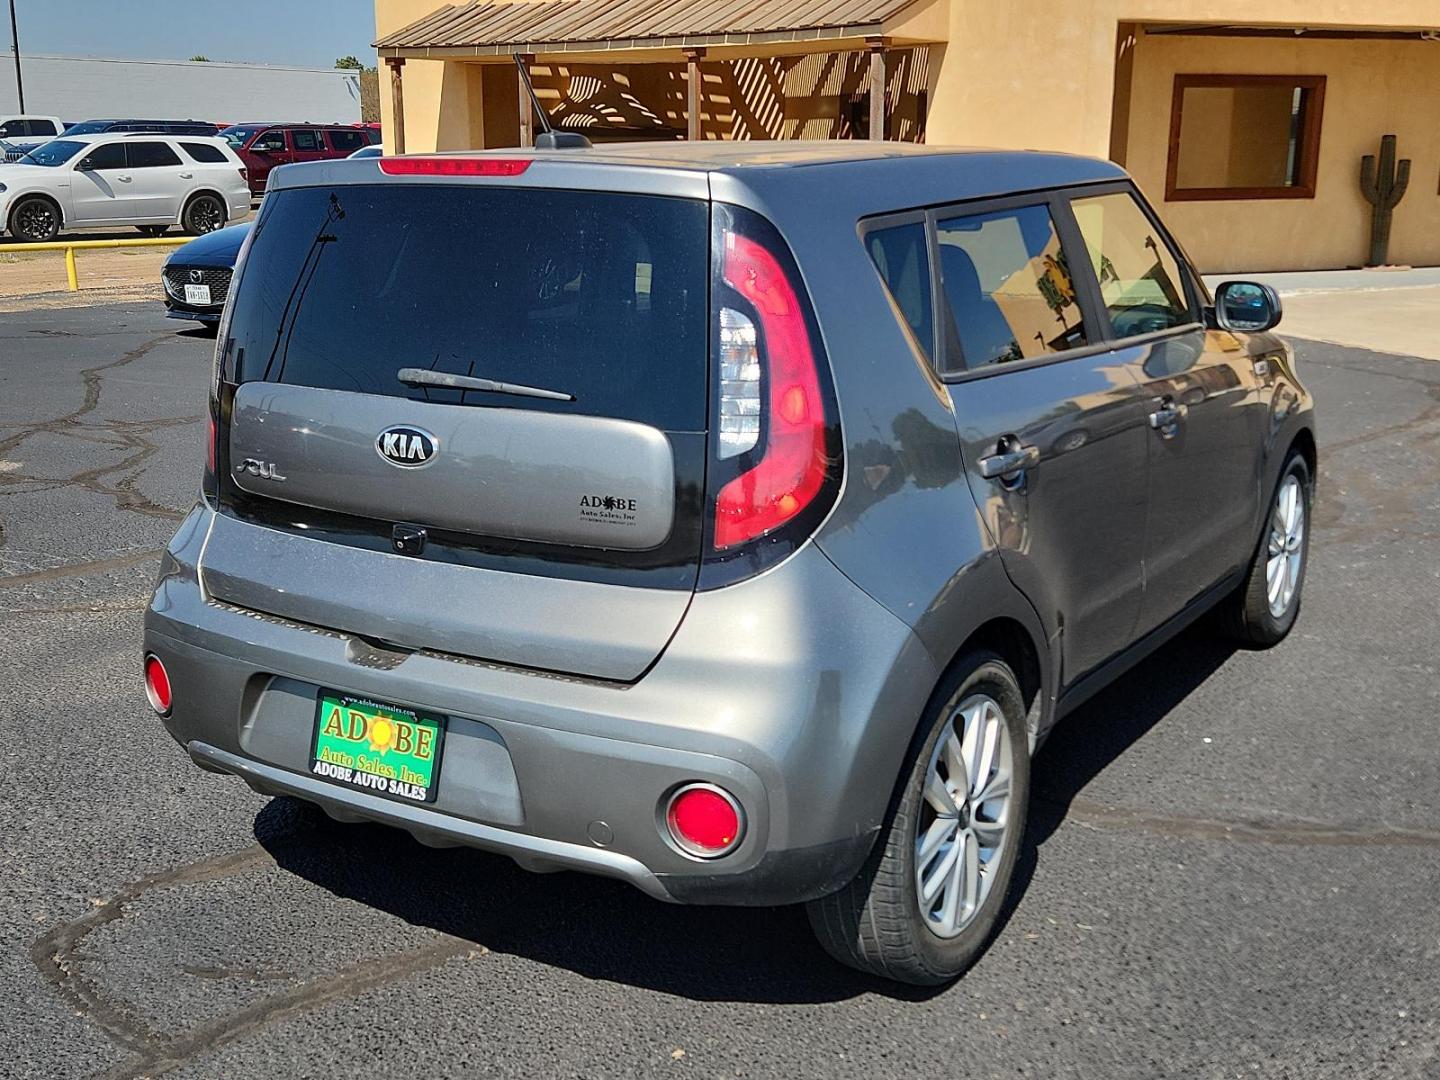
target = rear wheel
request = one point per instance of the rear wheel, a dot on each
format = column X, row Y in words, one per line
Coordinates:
column 1264, row 608
column 925, row 904
column 35, row 220
column 203, row 214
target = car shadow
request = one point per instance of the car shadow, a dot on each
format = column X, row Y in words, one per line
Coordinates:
column 607, row 930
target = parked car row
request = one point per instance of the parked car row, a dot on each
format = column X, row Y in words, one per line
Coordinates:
column 263, row 146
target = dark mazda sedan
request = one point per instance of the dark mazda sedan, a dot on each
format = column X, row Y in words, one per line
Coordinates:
column 197, row 275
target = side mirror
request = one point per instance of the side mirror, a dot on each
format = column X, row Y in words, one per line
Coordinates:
column 1246, row 307
column 85, row 166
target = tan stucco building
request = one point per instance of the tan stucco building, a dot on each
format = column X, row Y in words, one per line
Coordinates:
column 1245, row 122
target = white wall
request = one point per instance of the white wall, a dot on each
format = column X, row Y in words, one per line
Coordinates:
column 78, row 88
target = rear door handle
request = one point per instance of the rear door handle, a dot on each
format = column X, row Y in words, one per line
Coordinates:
column 1009, row 460
column 187, row 176
column 124, row 179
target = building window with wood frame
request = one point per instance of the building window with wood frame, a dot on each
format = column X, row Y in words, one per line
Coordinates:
column 1244, row 136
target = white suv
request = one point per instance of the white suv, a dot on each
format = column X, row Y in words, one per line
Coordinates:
column 149, row 181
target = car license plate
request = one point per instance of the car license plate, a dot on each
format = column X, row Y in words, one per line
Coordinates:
column 197, row 294
column 371, row 746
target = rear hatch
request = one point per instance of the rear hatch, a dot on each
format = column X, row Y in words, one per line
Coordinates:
column 468, row 417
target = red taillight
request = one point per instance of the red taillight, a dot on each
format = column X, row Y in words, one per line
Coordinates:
column 453, row 166
column 244, row 174
column 792, row 468
column 157, row 685
column 704, row 820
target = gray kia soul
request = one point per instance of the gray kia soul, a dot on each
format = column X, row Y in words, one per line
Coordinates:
column 733, row 519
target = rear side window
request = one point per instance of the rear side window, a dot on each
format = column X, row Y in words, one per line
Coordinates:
column 1007, row 286
column 600, row 296
column 306, row 140
column 203, row 152
column 1140, row 279
column 345, row 140
column 903, row 259
column 151, row 155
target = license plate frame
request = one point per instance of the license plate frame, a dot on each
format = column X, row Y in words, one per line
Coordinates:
column 198, row 294
column 355, row 759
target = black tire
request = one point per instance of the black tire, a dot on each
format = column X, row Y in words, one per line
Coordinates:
column 34, row 220
column 203, row 214
column 153, row 230
column 875, row 923
column 1247, row 615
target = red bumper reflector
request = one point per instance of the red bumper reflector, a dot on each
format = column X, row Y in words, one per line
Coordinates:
column 704, row 820
column 453, row 166
column 157, row 685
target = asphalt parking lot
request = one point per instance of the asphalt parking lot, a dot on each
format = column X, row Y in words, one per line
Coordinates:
column 1233, row 870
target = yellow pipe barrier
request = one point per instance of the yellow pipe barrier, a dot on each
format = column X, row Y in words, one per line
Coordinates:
column 71, row 246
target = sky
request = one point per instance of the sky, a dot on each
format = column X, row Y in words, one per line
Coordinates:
column 298, row 33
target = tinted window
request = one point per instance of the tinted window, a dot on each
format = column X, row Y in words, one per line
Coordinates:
column 204, row 152
column 89, row 127
column 151, row 155
column 44, row 127
column 306, row 140
column 109, row 156
column 901, row 256
column 55, row 152
column 1140, row 277
column 597, row 295
column 1008, row 287
column 271, row 140
column 346, row 140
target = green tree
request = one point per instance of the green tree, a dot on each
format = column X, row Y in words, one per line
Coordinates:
column 199, row 58
column 349, row 63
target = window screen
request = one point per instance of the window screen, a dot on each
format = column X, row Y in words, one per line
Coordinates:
column 1008, row 287
column 900, row 254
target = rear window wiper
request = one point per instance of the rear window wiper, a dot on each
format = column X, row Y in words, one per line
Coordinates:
column 414, row 376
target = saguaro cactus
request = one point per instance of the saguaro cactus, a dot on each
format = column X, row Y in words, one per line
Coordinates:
column 1383, row 187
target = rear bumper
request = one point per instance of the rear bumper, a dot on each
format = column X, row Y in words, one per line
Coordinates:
column 806, row 728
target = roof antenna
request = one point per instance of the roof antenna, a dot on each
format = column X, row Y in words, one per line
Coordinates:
column 549, row 139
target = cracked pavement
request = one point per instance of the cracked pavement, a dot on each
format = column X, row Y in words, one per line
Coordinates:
column 1233, row 868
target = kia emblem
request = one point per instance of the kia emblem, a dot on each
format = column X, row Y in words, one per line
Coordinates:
column 407, row 447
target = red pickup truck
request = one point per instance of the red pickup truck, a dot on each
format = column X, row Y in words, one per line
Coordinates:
column 263, row 146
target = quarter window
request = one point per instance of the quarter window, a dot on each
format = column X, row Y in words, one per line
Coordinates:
column 204, row 152
column 1244, row 136
column 1007, row 286
column 900, row 254
column 151, row 155
column 1140, row 279
column 306, row 140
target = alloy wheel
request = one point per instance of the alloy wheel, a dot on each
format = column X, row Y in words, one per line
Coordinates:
column 962, row 827
column 206, row 216
column 1285, row 549
column 35, row 220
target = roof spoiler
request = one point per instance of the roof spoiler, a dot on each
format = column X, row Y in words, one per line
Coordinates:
column 549, row 138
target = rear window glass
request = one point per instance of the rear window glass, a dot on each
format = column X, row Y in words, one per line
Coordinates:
column 346, row 140
column 600, row 296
